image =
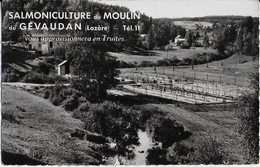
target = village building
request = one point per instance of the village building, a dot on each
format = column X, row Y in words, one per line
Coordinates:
column 199, row 41
column 143, row 36
column 63, row 68
column 47, row 47
column 178, row 39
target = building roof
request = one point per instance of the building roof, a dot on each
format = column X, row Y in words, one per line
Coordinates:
column 62, row 63
column 179, row 37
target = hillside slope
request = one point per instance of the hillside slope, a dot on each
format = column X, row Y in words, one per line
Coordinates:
column 220, row 122
column 159, row 55
column 233, row 60
column 238, row 64
column 33, row 127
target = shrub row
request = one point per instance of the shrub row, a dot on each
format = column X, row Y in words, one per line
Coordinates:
column 11, row 75
column 41, row 78
column 69, row 98
column 174, row 61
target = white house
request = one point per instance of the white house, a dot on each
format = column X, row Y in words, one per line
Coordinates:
column 179, row 39
column 63, row 68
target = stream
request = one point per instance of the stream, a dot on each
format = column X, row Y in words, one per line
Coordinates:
column 140, row 151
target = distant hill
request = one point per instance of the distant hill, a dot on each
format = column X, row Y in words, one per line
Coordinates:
column 211, row 18
column 191, row 25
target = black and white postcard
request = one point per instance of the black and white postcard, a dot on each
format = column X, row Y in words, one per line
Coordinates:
column 129, row 82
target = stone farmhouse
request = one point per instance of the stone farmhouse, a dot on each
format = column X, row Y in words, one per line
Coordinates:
column 46, row 47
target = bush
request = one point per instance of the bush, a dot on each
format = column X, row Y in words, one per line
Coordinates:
column 113, row 120
column 43, row 67
column 208, row 150
column 10, row 118
column 184, row 45
column 168, row 62
column 11, row 75
column 179, row 153
column 71, row 103
column 144, row 115
column 187, row 60
column 59, row 94
column 123, row 64
column 93, row 90
column 56, row 101
column 166, row 130
column 83, row 109
column 146, row 64
column 46, row 94
column 34, row 77
column 203, row 58
column 157, row 156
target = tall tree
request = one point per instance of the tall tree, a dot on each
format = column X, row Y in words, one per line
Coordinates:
column 94, row 68
column 248, row 22
column 188, row 37
column 239, row 40
column 220, row 43
column 205, row 40
column 232, row 32
column 247, row 42
column 149, row 41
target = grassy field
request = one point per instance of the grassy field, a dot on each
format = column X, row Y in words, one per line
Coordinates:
column 190, row 25
column 159, row 55
column 32, row 126
column 235, row 70
column 235, row 59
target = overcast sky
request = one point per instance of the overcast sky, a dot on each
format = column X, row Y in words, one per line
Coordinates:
column 189, row 8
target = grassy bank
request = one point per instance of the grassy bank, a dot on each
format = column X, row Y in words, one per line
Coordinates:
column 33, row 127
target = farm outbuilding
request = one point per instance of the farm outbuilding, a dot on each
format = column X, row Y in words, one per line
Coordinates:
column 179, row 39
column 63, row 68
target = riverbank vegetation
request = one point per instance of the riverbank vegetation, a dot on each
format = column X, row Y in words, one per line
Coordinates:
column 116, row 121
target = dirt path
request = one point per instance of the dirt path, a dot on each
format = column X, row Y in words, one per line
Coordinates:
column 21, row 84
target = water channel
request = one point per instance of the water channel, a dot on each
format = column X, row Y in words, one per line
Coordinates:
column 140, row 151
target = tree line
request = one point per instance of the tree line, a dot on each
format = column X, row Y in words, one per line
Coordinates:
column 242, row 36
